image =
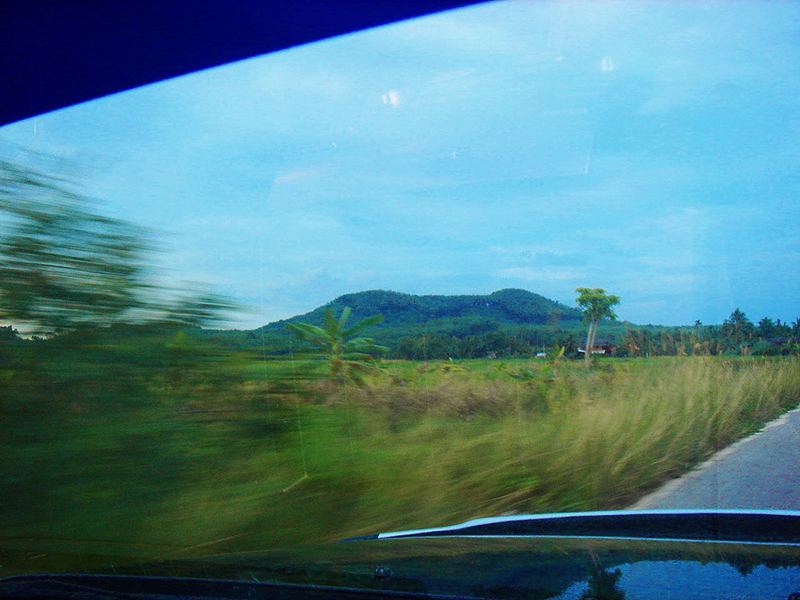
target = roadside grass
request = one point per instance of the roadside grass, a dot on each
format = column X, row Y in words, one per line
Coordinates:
column 242, row 454
column 580, row 441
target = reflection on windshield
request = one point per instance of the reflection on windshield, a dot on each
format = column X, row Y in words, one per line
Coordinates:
column 517, row 258
column 517, row 567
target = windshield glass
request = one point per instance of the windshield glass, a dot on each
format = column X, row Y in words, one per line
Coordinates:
column 522, row 257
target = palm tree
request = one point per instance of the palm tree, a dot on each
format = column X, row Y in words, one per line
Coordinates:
column 596, row 305
column 348, row 356
column 738, row 330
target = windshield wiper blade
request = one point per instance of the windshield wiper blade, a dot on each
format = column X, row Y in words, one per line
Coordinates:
column 740, row 526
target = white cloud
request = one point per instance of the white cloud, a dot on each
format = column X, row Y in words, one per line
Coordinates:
column 295, row 175
column 452, row 75
column 541, row 273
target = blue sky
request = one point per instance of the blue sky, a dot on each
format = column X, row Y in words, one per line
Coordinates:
column 650, row 149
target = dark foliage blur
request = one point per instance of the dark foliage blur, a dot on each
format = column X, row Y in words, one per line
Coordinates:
column 67, row 266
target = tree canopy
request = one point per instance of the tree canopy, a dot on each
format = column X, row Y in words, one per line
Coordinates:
column 596, row 304
column 65, row 265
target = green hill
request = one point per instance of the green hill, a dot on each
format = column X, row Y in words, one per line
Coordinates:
column 492, row 311
column 510, row 320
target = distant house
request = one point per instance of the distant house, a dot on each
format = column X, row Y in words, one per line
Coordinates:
column 607, row 348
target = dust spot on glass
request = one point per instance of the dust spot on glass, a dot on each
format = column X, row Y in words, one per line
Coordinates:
column 392, row 98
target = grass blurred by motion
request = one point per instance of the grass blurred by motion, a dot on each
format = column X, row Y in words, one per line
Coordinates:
column 145, row 443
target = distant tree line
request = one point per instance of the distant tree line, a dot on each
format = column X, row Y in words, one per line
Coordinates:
column 735, row 336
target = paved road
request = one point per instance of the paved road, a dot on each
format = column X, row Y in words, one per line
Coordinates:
column 762, row 471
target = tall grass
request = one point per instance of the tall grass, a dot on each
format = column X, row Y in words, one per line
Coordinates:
column 461, row 446
column 195, row 466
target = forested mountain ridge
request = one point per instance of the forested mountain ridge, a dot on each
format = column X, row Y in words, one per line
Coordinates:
column 503, row 307
column 510, row 321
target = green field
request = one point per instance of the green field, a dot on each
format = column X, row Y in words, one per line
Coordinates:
column 135, row 452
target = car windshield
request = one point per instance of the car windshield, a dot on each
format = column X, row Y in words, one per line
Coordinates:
column 520, row 257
